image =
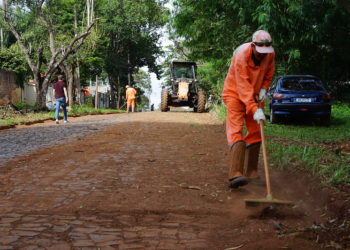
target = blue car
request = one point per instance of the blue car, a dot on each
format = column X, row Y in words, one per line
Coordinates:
column 299, row 95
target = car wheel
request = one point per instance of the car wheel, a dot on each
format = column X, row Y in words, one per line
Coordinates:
column 273, row 117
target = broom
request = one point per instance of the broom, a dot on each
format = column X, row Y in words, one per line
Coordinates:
column 269, row 200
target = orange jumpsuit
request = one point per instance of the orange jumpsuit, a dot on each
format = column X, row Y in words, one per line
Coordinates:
column 242, row 84
column 130, row 98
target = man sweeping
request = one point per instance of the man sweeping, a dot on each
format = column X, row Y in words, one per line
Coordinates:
column 248, row 79
column 130, row 96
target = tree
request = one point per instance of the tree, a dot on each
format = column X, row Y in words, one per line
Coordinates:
column 142, row 81
column 12, row 59
column 310, row 37
column 37, row 15
column 70, row 15
column 131, row 36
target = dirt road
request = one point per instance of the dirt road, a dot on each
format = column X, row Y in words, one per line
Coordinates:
column 147, row 181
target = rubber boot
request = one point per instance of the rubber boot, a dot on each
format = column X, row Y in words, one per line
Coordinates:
column 236, row 165
column 251, row 161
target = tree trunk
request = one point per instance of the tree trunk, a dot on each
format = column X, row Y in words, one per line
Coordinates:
column 39, row 100
column 70, row 84
column 77, row 83
column 97, row 98
column 113, row 84
column 1, row 38
column 119, row 94
column 69, row 72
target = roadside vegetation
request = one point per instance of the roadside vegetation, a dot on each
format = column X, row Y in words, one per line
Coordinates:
column 304, row 145
column 84, row 40
column 300, row 49
column 10, row 117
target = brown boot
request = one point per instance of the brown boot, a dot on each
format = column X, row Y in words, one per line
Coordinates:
column 251, row 161
column 236, row 165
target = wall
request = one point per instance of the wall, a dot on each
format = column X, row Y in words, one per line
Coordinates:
column 9, row 91
column 29, row 93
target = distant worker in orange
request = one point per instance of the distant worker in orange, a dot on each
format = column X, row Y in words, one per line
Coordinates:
column 130, row 98
column 247, row 81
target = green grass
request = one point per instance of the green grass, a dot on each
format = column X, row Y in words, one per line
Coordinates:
column 15, row 118
column 303, row 145
column 331, row 167
column 339, row 129
column 89, row 110
column 219, row 111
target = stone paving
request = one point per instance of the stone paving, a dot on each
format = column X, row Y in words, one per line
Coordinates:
column 34, row 225
column 133, row 181
column 19, row 231
column 20, row 141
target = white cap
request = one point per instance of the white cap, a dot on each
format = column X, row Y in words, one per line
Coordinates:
column 263, row 42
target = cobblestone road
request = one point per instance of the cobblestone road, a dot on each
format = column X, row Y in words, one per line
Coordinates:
column 20, row 141
column 101, row 232
column 128, row 181
column 35, row 209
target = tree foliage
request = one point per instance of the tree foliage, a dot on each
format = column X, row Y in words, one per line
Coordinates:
column 12, row 59
column 49, row 32
column 130, row 38
column 37, row 32
column 131, row 30
column 310, row 37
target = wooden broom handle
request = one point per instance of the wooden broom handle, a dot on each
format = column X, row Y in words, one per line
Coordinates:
column 266, row 166
column 267, row 174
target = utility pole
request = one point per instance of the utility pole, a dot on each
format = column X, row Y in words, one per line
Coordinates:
column 119, row 94
column 96, row 93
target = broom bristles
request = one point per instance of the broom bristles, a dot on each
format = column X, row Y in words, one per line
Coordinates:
column 256, row 202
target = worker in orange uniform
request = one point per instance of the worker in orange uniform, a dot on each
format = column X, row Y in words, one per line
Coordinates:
column 248, row 79
column 130, row 98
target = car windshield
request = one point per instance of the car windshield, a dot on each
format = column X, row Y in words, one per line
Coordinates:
column 302, row 84
column 183, row 72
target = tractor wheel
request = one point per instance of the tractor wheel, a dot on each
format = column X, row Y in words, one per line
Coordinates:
column 164, row 102
column 201, row 102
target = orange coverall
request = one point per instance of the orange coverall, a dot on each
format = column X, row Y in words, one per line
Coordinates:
column 242, row 84
column 130, row 98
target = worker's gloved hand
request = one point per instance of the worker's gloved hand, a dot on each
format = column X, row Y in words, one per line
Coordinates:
column 259, row 115
column 262, row 94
